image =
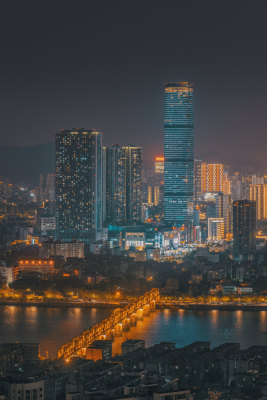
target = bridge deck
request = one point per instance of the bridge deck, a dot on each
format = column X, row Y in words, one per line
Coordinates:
column 106, row 326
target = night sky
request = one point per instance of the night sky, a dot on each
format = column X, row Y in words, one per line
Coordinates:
column 103, row 65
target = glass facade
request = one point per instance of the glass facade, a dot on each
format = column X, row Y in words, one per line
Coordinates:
column 123, row 184
column 178, row 151
column 115, row 184
column 133, row 183
column 78, row 184
column 244, row 226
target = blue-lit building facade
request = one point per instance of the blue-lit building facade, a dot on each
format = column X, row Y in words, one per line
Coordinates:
column 178, row 152
column 123, row 184
column 115, row 184
column 78, row 185
column 133, row 155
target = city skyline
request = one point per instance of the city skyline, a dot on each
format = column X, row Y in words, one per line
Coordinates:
column 133, row 200
column 47, row 88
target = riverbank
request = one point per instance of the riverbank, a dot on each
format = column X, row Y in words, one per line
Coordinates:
column 214, row 306
column 117, row 304
column 66, row 304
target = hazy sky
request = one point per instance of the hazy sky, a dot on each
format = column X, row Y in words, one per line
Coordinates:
column 103, row 64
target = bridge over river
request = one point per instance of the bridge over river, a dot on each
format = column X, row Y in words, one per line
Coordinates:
column 118, row 320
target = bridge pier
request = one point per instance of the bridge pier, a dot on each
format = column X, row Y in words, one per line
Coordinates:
column 140, row 313
column 118, row 330
column 146, row 309
column 81, row 352
column 133, row 319
column 152, row 305
column 126, row 324
column 110, row 334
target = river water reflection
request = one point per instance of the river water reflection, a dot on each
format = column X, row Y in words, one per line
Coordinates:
column 52, row 327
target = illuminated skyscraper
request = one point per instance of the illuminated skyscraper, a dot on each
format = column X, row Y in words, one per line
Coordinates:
column 78, row 184
column 215, row 229
column 224, row 210
column 133, row 156
column 149, row 194
column 153, row 194
column 178, row 151
column 258, row 192
column 244, row 226
column 227, row 189
column 257, row 180
column 212, row 178
column 197, row 179
column 115, row 184
column 123, row 184
column 104, row 183
column 239, row 187
column 159, row 165
column 156, row 195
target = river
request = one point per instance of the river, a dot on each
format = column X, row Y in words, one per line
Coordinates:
column 53, row 326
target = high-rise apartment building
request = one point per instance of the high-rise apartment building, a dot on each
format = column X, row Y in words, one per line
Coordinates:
column 153, row 193
column 224, row 210
column 159, row 165
column 150, row 194
column 258, row 192
column 211, row 178
column 178, row 151
column 215, row 229
column 244, row 225
column 115, row 184
column 156, row 195
column 197, row 179
column 104, row 183
column 239, row 187
column 46, row 189
column 227, row 190
column 257, row 180
column 78, row 184
column 123, row 184
column 134, row 156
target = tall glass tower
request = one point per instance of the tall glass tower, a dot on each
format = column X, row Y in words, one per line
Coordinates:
column 178, row 151
column 124, row 184
column 115, row 184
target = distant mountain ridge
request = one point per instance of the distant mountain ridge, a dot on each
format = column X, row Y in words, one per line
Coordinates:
column 25, row 164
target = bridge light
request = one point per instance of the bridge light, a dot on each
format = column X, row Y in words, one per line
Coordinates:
column 67, row 360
